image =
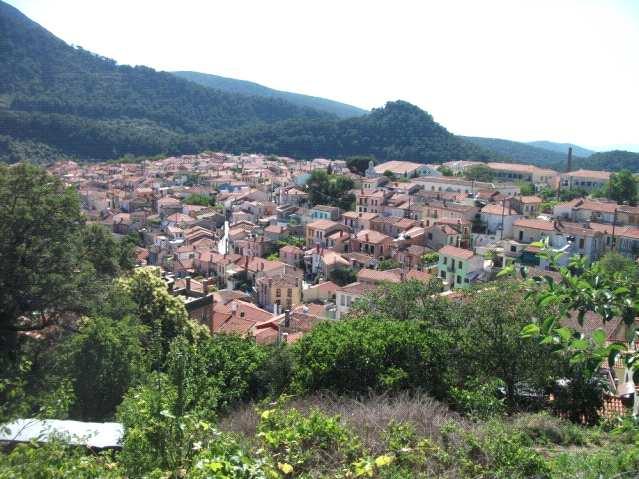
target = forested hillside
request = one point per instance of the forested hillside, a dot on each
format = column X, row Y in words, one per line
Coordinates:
column 521, row 152
column 58, row 100
column 562, row 148
column 398, row 131
column 50, row 89
column 611, row 160
column 547, row 155
column 244, row 87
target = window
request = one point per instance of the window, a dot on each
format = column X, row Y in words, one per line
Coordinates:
column 581, row 243
column 342, row 300
column 289, row 293
column 513, row 248
column 521, row 235
column 278, row 292
column 460, row 264
column 445, row 260
column 458, row 279
column 443, row 274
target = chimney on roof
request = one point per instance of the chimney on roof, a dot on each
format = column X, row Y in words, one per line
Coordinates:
column 569, row 162
column 187, row 279
column 287, row 318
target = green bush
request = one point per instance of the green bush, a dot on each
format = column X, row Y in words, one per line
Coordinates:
column 361, row 354
column 542, row 428
column 478, row 401
column 612, row 461
column 55, row 460
column 298, row 443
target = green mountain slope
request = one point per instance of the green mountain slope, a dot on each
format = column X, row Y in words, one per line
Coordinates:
column 58, row 100
column 520, row 152
column 244, row 87
column 46, row 83
column 547, row 158
column 611, row 160
column 398, row 131
column 562, row 148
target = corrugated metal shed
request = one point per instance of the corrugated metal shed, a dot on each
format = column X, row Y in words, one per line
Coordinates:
column 90, row 434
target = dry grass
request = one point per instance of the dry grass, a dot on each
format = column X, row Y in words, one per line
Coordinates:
column 367, row 416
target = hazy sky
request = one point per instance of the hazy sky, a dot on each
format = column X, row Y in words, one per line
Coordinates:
column 559, row 70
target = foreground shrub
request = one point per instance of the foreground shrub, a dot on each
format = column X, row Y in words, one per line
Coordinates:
column 612, row 461
column 362, row 354
column 54, row 459
column 479, row 401
column 542, row 428
column 299, row 444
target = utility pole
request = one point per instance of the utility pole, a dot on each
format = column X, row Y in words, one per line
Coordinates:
column 614, row 223
column 503, row 211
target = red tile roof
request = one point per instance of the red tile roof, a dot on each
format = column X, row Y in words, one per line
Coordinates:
column 535, row 224
column 456, row 252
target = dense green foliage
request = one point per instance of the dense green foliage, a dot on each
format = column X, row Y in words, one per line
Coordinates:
column 86, row 105
column 358, row 355
column 562, row 148
column 200, row 200
column 104, row 359
column 479, row 173
column 52, row 264
column 243, row 87
column 331, row 190
column 526, row 188
column 622, row 187
column 521, row 152
column 342, row 276
column 545, row 156
column 399, row 131
column 615, row 160
column 359, row 164
column 55, row 98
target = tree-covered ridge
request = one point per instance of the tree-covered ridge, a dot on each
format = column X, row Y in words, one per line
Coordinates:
column 521, row 152
column 42, row 73
column 55, row 98
column 611, row 160
column 562, row 148
column 244, row 87
column 549, row 156
column 398, row 131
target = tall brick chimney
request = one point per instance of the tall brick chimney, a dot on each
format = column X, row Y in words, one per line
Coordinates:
column 569, row 162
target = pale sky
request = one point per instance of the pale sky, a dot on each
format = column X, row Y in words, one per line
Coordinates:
column 557, row 70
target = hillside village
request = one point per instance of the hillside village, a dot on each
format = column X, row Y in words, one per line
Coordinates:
column 240, row 241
